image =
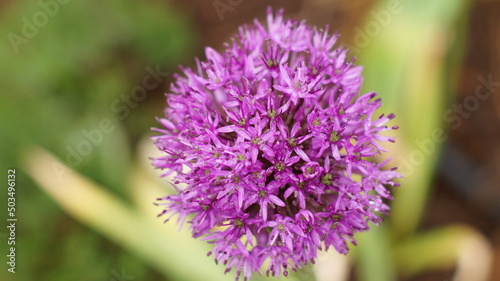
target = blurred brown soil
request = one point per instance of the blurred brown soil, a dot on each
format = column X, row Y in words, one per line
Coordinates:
column 478, row 138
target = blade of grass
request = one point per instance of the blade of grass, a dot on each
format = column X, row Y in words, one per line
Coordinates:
column 405, row 63
column 456, row 246
column 374, row 260
column 171, row 252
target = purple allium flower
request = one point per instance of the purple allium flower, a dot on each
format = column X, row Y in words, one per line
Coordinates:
column 275, row 146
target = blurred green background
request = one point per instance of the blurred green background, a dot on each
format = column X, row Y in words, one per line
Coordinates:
column 82, row 82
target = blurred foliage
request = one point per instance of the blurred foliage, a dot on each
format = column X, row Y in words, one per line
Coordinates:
column 407, row 64
column 60, row 78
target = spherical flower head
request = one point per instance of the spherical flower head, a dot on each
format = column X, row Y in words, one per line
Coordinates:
column 274, row 146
